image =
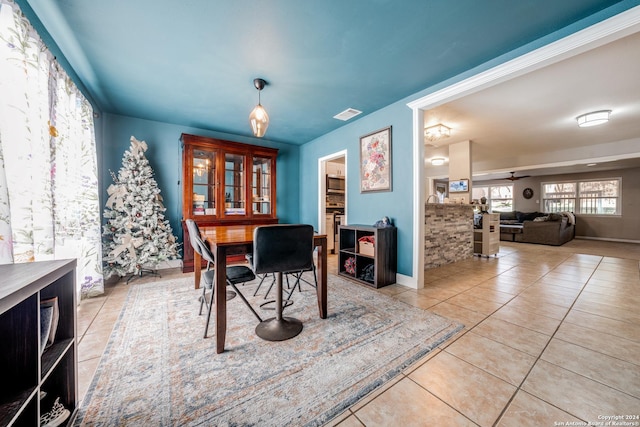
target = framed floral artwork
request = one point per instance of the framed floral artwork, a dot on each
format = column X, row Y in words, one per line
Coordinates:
column 375, row 161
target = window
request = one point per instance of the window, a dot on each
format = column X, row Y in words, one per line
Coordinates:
column 49, row 181
column 559, row 197
column 586, row 197
column 499, row 197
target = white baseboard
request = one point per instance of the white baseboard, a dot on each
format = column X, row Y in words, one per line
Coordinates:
column 407, row 281
column 606, row 239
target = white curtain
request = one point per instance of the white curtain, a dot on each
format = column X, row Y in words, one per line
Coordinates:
column 48, row 168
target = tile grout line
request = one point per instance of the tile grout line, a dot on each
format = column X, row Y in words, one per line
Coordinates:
column 449, row 343
column 439, row 398
column 524, row 379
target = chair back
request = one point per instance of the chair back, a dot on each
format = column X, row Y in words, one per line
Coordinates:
column 194, row 235
column 199, row 245
column 282, row 248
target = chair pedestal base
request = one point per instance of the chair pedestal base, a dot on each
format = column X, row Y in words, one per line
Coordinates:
column 279, row 329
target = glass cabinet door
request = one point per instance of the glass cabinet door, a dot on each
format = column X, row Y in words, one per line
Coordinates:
column 234, row 184
column 204, row 182
column 226, row 182
column 261, row 185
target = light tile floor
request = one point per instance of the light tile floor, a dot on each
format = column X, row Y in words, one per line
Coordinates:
column 552, row 336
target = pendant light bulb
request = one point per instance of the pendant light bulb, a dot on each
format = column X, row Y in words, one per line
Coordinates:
column 259, row 119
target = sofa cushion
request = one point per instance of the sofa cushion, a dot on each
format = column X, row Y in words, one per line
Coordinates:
column 509, row 221
column 541, row 218
column 555, row 217
column 508, row 216
column 527, row 216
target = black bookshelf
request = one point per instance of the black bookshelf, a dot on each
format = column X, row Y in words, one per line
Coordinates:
column 374, row 265
column 26, row 368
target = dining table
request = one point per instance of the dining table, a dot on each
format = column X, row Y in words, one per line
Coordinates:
column 226, row 240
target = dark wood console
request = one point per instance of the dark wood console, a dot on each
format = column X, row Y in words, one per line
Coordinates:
column 372, row 264
column 26, row 367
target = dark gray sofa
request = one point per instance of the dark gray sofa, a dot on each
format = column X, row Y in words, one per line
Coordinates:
column 537, row 227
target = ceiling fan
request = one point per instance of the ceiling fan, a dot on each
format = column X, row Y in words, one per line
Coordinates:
column 515, row 178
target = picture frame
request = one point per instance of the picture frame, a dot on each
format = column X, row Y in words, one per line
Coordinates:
column 459, row 186
column 375, row 161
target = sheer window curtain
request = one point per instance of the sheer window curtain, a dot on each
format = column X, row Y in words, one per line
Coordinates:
column 49, row 206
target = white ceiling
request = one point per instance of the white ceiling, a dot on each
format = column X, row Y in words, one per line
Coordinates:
column 528, row 124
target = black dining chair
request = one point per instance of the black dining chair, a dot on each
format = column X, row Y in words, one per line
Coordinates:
column 280, row 249
column 236, row 274
column 298, row 277
column 207, row 277
column 249, row 258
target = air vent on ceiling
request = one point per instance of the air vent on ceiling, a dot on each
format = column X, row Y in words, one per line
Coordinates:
column 347, row 114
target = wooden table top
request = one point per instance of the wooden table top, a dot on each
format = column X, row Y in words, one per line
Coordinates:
column 233, row 234
column 228, row 235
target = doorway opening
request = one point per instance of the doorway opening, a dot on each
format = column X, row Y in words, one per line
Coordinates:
column 332, row 196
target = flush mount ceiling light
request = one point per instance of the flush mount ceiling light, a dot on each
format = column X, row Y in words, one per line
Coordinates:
column 438, row 161
column 259, row 119
column 439, row 131
column 594, row 118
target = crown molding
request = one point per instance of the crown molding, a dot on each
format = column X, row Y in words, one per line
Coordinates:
column 604, row 32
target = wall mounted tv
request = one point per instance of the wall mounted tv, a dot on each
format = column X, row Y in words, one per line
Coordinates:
column 459, row 186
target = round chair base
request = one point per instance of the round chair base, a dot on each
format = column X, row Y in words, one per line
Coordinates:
column 231, row 295
column 265, row 305
column 279, row 330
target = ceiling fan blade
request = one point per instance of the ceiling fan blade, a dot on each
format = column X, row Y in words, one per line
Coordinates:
column 512, row 177
column 515, row 178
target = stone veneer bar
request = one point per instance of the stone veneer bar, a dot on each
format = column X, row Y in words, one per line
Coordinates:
column 448, row 234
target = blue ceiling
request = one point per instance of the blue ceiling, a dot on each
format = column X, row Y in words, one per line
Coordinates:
column 193, row 62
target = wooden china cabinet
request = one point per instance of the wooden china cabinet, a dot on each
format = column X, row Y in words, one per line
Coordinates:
column 225, row 183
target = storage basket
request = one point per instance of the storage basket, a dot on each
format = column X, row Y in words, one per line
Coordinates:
column 366, row 248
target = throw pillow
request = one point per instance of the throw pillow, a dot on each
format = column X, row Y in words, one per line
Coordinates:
column 541, row 218
column 555, row 217
column 508, row 216
column 571, row 216
column 528, row 216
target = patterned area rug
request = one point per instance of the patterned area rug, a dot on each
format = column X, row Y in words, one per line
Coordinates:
column 158, row 370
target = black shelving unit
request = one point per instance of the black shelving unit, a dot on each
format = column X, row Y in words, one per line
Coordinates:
column 374, row 267
column 25, row 367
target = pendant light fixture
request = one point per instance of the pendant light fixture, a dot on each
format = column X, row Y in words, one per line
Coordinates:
column 259, row 119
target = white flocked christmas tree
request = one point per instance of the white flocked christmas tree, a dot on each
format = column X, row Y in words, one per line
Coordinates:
column 136, row 236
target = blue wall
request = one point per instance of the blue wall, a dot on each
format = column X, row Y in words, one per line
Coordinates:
column 367, row 208
column 297, row 169
column 297, row 175
column 398, row 204
column 165, row 156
